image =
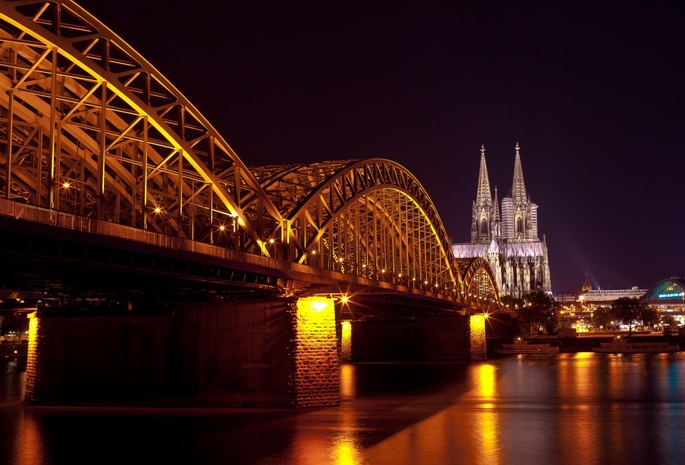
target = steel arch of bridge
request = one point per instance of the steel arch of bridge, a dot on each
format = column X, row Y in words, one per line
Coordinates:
column 97, row 131
column 479, row 285
column 90, row 128
column 370, row 218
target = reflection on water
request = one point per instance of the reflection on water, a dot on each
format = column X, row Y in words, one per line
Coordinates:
column 486, row 427
column 570, row 409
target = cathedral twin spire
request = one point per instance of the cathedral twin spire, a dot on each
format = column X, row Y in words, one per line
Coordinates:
column 519, row 215
column 509, row 242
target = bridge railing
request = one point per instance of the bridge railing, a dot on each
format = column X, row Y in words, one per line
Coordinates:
column 78, row 223
column 106, row 228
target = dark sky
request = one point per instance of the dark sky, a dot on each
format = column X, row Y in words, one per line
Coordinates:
column 593, row 92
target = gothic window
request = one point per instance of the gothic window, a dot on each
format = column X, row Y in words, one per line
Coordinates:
column 519, row 225
column 483, row 226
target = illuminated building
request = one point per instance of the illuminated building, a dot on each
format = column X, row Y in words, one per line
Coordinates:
column 509, row 242
column 668, row 297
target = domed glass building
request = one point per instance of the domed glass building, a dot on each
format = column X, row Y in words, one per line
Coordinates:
column 668, row 297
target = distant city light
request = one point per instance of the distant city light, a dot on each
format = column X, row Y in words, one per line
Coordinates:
column 671, row 294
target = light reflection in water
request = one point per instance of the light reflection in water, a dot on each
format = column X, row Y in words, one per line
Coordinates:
column 29, row 443
column 346, row 450
column 566, row 409
column 486, row 424
column 347, row 389
column 577, row 376
column 346, row 447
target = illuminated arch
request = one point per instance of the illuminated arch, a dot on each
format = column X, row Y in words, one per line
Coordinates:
column 97, row 131
column 478, row 280
column 90, row 128
column 371, row 218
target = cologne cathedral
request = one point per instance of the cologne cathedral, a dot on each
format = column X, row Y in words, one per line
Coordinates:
column 508, row 237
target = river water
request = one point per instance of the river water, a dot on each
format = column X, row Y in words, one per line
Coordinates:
column 568, row 408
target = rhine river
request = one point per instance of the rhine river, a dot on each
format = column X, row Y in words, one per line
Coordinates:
column 568, row 408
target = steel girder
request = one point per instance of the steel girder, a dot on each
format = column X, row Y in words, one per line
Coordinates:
column 370, row 218
column 91, row 128
column 479, row 282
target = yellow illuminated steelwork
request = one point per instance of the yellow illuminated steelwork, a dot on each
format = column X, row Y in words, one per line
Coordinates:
column 349, row 205
column 119, row 91
column 122, row 131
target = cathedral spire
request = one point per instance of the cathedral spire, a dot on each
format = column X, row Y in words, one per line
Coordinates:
column 495, row 207
column 483, row 196
column 496, row 221
column 482, row 206
column 518, row 188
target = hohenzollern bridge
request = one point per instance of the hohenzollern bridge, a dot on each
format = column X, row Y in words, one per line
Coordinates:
column 114, row 187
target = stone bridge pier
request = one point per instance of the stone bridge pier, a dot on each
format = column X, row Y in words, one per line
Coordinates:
column 262, row 352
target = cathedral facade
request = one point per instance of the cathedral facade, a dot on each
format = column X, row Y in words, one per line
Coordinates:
column 508, row 236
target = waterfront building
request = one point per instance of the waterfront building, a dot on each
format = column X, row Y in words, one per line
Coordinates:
column 508, row 239
column 668, row 297
column 593, row 298
column 603, row 297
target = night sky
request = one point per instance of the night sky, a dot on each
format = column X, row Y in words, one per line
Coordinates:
column 592, row 91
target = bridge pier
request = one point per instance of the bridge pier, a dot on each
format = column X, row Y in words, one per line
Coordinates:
column 478, row 343
column 278, row 352
column 419, row 338
column 267, row 352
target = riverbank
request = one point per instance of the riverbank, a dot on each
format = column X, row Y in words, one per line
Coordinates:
column 585, row 342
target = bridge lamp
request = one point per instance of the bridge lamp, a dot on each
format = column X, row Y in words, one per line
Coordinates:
column 344, row 299
column 66, row 185
column 158, row 209
column 222, row 228
column 318, row 305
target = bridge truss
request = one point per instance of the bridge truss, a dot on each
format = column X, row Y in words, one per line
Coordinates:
column 89, row 128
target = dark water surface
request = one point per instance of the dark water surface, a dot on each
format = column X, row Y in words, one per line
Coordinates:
column 571, row 409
